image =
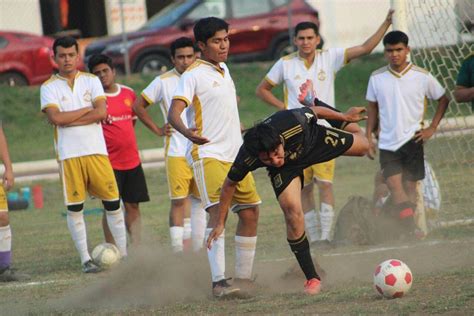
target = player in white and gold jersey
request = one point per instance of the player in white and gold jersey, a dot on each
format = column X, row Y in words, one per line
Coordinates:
column 207, row 90
column 182, row 188
column 74, row 103
column 319, row 66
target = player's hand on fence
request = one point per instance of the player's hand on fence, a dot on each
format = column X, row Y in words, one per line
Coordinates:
column 424, row 134
column 372, row 150
column 307, row 94
column 192, row 135
column 389, row 18
column 8, row 180
column 355, row 114
column 214, row 235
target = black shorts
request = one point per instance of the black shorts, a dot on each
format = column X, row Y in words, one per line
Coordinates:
column 407, row 160
column 132, row 185
column 329, row 144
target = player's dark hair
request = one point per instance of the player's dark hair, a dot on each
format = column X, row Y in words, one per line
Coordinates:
column 395, row 37
column 98, row 59
column 66, row 42
column 261, row 138
column 206, row 28
column 181, row 43
column 306, row 25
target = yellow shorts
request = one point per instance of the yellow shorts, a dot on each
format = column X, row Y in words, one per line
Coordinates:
column 321, row 172
column 92, row 174
column 210, row 174
column 3, row 200
column 180, row 178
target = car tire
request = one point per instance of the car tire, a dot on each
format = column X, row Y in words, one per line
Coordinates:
column 153, row 64
column 283, row 48
column 13, row 79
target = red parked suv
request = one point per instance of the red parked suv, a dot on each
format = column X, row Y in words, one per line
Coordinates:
column 25, row 59
column 258, row 31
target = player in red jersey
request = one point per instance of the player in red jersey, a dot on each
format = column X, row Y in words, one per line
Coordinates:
column 121, row 144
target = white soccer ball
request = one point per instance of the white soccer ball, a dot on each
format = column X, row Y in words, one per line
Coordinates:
column 106, row 255
column 392, row 278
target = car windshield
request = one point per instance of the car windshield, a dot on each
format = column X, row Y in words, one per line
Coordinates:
column 169, row 15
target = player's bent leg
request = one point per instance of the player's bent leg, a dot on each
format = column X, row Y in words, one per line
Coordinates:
column 299, row 244
column 116, row 223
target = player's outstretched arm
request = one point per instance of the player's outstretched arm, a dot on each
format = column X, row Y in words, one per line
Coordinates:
column 264, row 92
column 8, row 178
column 174, row 118
column 139, row 107
column 98, row 113
column 58, row 118
column 217, row 220
column 426, row 133
column 368, row 46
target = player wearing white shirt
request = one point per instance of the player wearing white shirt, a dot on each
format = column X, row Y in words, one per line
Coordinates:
column 319, row 66
column 183, row 192
column 208, row 91
column 397, row 94
column 74, row 103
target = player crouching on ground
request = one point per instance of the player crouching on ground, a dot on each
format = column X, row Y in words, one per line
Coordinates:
column 286, row 143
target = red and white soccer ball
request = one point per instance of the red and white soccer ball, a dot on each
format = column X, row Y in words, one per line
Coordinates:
column 392, row 278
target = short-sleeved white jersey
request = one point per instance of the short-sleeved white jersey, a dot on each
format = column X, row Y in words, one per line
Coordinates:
column 293, row 71
column 401, row 99
column 161, row 91
column 75, row 141
column 209, row 92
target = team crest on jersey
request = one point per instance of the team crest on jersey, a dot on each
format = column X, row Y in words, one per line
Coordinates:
column 64, row 99
column 277, row 182
column 215, row 84
column 297, row 77
column 321, row 75
column 128, row 102
column 87, row 96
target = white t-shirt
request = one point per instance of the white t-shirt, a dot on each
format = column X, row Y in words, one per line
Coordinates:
column 209, row 92
column 161, row 91
column 293, row 71
column 75, row 141
column 401, row 99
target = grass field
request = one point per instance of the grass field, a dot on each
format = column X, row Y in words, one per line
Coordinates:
column 153, row 281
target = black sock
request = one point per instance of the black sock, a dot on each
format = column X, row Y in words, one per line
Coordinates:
column 300, row 247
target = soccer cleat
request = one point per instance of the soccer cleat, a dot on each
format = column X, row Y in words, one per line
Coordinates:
column 10, row 275
column 221, row 289
column 90, row 267
column 312, row 286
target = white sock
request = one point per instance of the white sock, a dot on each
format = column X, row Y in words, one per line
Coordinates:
column 187, row 228
column 327, row 216
column 216, row 257
column 312, row 225
column 116, row 222
column 77, row 228
column 176, row 235
column 198, row 224
column 244, row 255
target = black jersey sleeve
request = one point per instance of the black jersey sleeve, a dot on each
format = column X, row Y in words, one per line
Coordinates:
column 334, row 123
column 243, row 164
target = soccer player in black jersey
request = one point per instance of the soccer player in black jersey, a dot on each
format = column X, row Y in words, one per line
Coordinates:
column 286, row 143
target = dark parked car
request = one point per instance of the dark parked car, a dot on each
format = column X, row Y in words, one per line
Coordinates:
column 25, row 59
column 258, row 31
